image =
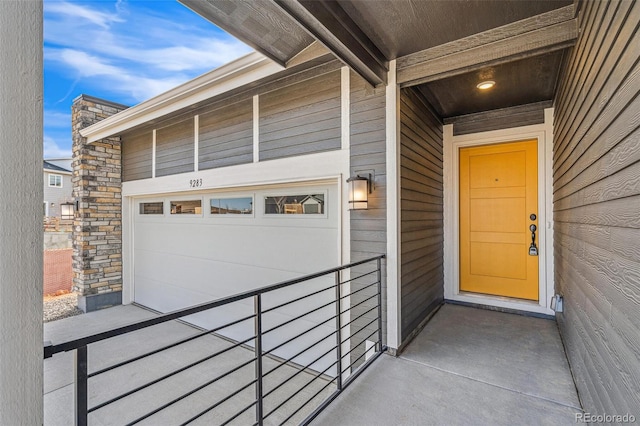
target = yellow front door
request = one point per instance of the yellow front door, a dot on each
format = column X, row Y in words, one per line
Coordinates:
column 498, row 196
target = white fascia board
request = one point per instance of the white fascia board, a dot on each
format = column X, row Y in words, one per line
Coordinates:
column 238, row 73
column 57, row 172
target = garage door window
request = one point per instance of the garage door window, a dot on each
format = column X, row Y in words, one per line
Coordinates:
column 231, row 206
column 295, row 204
column 152, row 208
column 186, row 207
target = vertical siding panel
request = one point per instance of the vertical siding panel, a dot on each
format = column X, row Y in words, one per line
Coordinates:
column 175, row 148
column 422, row 214
column 226, row 136
column 368, row 227
column 136, row 156
column 596, row 205
column 302, row 118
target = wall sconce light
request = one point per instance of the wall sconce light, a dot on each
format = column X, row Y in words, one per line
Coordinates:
column 359, row 190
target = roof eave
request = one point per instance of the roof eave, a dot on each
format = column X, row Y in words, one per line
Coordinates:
column 227, row 77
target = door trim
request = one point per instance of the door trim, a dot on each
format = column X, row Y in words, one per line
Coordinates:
column 452, row 144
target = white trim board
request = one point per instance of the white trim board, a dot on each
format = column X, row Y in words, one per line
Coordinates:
column 452, row 144
column 392, row 105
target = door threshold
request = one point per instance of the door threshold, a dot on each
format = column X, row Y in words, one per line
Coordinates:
column 502, row 304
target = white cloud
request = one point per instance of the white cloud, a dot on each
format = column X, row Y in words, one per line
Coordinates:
column 78, row 12
column 117, row 79
column 53, row 150
column 57, row 119
column 136, row 54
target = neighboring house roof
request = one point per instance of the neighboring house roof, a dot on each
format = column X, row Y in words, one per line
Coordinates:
column 64, row 162
column 54, row 168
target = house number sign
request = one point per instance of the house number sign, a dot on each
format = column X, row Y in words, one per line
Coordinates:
column 195, row 183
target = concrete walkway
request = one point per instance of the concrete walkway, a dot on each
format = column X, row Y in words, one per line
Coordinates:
column 59, row 375
column 467, row 367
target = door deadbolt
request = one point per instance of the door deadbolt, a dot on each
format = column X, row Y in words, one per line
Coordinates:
column 533, row 216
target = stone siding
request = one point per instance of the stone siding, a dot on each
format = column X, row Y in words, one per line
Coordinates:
column 97, row 187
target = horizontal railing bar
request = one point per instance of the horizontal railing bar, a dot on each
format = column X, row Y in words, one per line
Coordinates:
column 356, row 373
column 358, row 304
column 356, row 360
column 166, row 376
column 204, row 333
column 191, row 392
column 308, row 400
column 358, row 277
column 303, row 388
column 358, row 317
column 298, row 335
column 299, row 370
column 75, row 343
column 359, row 290
column 355, row 346
column 335, row 394
column 298, row 317
column 298, row 299
column 235, row 416
column 352, row 335
column 222, row 401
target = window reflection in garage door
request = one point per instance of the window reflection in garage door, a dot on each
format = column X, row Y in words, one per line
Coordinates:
column 186, row 207
column 152, row 208
column 242, row 205
column 294, row 204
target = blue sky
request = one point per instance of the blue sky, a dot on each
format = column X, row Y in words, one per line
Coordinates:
column 123, row 51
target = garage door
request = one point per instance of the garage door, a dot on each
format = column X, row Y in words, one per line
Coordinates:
column 197, row 247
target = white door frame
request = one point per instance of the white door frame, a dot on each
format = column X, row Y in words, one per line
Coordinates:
column 452, row 144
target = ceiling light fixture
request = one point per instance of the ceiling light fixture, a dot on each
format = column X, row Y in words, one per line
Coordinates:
column 486, row 85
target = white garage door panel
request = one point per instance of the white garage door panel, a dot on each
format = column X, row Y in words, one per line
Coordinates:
column 182, row 261
column 297, row 249
column 206, row 279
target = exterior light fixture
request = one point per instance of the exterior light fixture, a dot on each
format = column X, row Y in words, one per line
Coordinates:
column 359, row 190
column 486, row 85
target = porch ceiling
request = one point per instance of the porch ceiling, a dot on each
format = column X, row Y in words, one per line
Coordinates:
column 400, row 28
column 517, row 83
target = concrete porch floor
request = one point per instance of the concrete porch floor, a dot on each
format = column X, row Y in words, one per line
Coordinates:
column 468, row 366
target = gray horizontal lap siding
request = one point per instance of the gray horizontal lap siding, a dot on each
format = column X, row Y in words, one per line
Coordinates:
column 175, row 148
column 596, row 207
column 136, row 155
column 226, row 136
column 302, row 118
column 368, row 227
column 421, row 211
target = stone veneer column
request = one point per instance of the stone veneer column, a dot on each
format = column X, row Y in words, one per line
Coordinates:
column 97, row 227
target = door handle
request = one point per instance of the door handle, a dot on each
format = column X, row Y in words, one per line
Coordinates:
column 533, row 249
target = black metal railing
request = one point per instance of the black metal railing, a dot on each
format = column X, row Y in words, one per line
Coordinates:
column 293, row 348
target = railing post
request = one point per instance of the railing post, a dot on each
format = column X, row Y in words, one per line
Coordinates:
column 338, row 334
column 81, row 388
column 379, row 264
column 257, row 300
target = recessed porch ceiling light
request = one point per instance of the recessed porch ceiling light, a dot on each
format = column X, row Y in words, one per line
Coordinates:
column 485, row 85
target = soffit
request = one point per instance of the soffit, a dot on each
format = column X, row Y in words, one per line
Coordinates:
column 403, row 27
column 259, row 23
column 521, row 82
